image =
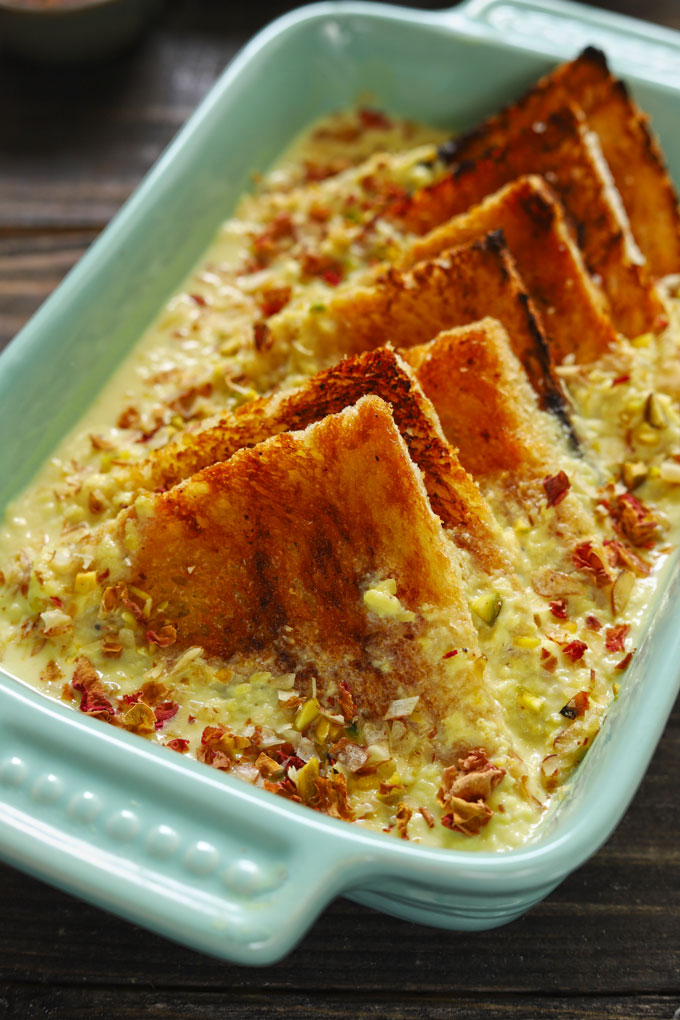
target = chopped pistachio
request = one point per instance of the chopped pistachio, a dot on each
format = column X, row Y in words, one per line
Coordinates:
column 306, row 714
column 305, row 780
column 85, row 582
column 621, row 591
column 654, row 412
column 633, row 473
column 322, row 729
column 643, row 340
column 531, row 701
column 487, row 607
column 527, row 642
column 382, row 600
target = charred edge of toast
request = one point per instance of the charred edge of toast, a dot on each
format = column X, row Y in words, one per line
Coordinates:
column 450, row 151
column 651, row 144
column 553, row 396
column 593, row 55
column 539, row 207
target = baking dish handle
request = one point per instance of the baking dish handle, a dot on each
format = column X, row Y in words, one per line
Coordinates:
column 634, row 47
column 167, row 843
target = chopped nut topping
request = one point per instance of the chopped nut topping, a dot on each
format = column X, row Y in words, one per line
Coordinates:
column 556, row 488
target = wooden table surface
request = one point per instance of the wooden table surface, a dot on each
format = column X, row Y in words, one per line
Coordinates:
column 605, row 944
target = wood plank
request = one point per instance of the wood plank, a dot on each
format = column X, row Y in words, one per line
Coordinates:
column 32, row 264
column 30, row 1002
column 76, row 141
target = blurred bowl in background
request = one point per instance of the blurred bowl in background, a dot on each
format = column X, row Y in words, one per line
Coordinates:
column 65, row 31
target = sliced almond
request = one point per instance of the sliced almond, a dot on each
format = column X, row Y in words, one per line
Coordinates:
column 621, row 591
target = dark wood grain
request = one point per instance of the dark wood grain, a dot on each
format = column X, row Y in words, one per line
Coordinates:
column 32, row 264
column 33, row 1002
column 606, row 944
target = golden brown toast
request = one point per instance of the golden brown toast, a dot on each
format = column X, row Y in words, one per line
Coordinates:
column 629, row 147
column 453, row 494
column 573, row 308
column 483, row 400
column 264, row 561
column 461, row 286
column 567, row 154
column 489, row 412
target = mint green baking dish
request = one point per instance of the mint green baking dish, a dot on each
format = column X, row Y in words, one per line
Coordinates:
column 168, row 843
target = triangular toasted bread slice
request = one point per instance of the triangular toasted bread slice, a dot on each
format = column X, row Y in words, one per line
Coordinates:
column 274, row 560
column 405, row 308
column 573, row 308
column 484, row 402
column 508, row 444
column 454, row 496
column 568, row 155
column 629, row 147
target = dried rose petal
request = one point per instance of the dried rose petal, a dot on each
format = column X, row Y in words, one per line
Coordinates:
column 165, row 637
column 575, row 650
column 576, row 706
column 559, row 609
column 178, row 744
column 166, row 710
column 94, row 700
column 556, row 487
column 615, row 638
column 588, row 560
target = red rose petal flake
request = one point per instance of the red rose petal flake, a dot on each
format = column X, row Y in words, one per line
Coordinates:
column 332, row 277
column 347, row 706
column 559, row 609
column 616, row 637
column 86, row 681
column 556, row 488
column 635, row 520
column 624, row 662
column 575, row 650
column 166, row 710
column 374, row 118
column 450, row 655
column 165, row 637
column 621, row 556
column 592, row 623
column 576, row 707
column 588, row 560
column 274, row 299
column 621, row 379
column 178, row 744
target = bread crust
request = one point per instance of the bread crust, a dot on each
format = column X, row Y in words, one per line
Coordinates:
column 628, row 144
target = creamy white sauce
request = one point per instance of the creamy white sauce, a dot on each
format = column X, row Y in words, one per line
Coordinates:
column 198, row 359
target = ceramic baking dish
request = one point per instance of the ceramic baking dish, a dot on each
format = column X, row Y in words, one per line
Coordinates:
column 169, row 843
